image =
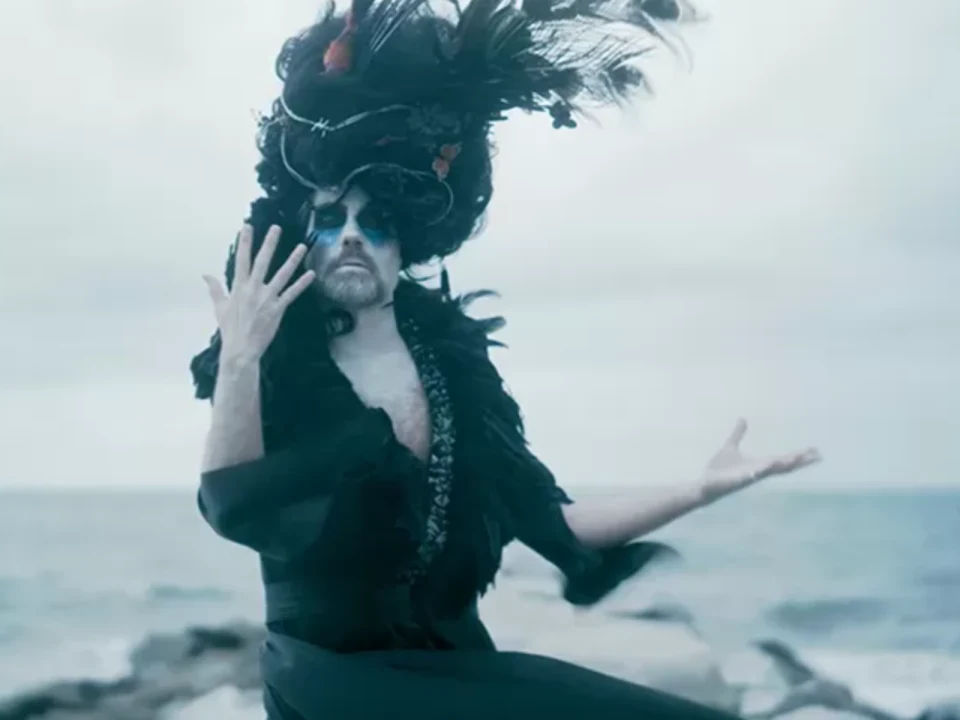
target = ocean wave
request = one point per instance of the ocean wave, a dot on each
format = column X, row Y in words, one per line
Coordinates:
column 55, row 594
column 168, row 592
column 904, row 682
column 97, row 659
column 941, row 579
column 823, row 616
column 224, row 702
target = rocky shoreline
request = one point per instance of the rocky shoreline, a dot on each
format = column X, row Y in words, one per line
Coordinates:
column 180, row 676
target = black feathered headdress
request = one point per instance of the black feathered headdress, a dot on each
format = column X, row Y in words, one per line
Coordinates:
column 399, row 99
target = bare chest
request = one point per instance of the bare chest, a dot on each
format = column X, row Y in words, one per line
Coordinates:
column 391, row 382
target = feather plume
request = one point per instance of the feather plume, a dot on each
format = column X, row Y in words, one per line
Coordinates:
column 399, row 83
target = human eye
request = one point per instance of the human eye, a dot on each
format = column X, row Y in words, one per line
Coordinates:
column 329, row 217
column 376, row 222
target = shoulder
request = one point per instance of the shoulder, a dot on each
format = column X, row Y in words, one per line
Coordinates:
column 446, row 322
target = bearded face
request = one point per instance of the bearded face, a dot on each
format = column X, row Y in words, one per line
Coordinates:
column 353, row 250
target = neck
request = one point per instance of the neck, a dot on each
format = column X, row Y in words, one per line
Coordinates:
column 375, row 329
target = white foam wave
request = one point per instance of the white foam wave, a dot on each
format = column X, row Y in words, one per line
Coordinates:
column 99, row 659
column 224, row 702
column 903, row 682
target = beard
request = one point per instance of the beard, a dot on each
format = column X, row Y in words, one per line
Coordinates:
column 353, row 288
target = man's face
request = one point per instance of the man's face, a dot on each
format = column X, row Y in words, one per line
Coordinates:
column 353, row 250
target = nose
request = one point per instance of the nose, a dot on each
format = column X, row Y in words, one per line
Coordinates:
column 352, row 242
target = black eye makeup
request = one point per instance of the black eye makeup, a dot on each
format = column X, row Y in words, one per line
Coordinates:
column 376, row 223
column 329, row 217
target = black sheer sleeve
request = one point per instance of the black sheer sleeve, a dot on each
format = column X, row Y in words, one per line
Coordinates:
column 280, row 504
column 536, row 506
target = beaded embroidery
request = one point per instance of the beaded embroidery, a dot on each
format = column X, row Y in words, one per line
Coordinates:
column 439, row 477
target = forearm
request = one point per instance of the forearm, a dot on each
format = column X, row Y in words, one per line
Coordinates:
column 235, row 435
column 278, row 504
column 608, row 522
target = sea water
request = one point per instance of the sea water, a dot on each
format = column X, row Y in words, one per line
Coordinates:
column 865, row 584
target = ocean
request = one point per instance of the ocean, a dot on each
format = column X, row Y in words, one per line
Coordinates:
column 864, row 584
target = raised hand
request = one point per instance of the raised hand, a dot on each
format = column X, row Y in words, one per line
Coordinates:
column 730, row 470
column 250, row 315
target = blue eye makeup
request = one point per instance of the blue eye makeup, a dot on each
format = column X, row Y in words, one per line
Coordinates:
column 323, row 237
column 376, row 224
column 328, row 223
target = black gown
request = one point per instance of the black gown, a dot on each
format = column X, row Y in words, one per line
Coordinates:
column 335, row 652
column 338, row 514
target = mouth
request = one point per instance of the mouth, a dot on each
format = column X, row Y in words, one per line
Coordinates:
column 356, row 264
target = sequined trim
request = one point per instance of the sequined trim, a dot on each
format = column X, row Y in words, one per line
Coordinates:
column 439, row 477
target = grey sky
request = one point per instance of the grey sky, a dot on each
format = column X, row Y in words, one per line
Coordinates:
column 774, row 234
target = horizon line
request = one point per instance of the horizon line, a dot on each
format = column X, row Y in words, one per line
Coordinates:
column 772, row 488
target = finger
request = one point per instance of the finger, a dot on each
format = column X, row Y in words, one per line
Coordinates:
column 802, row 459
column 285, row 271
column 241, row 263
column 739, row 430
column 297, row 288
column 217, row 294
column 265, row 255
column 793, row 461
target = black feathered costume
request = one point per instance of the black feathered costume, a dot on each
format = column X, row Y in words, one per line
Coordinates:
column 372, row 560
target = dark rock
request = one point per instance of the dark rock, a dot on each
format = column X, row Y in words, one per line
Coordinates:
column 949, row 710
column 170, row 671
column 165, row 670
column 806, row 688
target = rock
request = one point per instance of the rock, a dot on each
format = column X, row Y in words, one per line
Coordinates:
column 160, row 653
column 949, row 710
column 213, row 672
column 818, row 713
column 166, row 671
column 790, row 689
column 661, row 650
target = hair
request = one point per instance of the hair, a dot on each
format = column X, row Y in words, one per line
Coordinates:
column 378, row 140
column 400, row 102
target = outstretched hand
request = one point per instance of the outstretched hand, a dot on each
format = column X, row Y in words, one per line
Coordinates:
column 730, row 470
column 250, row 315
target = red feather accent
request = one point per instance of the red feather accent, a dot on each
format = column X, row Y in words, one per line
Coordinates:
column 338, row 56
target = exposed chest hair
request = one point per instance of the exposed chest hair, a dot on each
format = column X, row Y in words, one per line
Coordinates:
column 390, row 381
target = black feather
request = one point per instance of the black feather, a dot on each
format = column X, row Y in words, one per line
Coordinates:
column 445, row 82
column 617, row 564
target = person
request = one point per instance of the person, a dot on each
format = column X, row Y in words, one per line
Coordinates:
column 362, row 441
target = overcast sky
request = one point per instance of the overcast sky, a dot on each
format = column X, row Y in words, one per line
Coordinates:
column 775, row 234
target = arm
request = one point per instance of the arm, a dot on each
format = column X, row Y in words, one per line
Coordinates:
column 608, row 522
column 247, row 319
column 235, row 434
column 611, row 522
column 591, row 543
column 279, row 504
column 592, row 560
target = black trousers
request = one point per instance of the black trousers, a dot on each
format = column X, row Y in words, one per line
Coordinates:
column 457, row 685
